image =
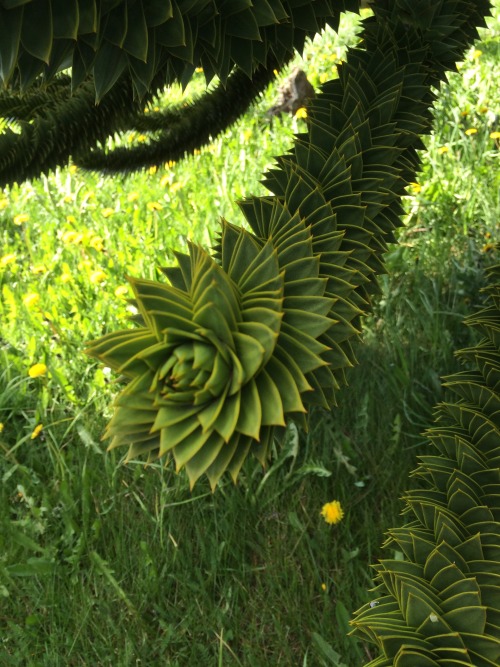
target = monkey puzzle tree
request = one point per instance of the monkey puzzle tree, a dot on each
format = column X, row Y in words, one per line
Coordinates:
column 238, row 341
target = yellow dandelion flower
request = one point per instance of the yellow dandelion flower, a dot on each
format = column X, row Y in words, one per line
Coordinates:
column 97, row 243
column 165, row 180
column 30, row 299
column 477, row 53
column 494, row 135
column 36, row 431
column 142, row 138
column 3, row 203
column 332, row 512
column 97, row 277
column 38, row 268
column 131, row 137
column 175, row 186
column 301, row 113
column 71, row 237
column 154, row 206
column 323, row 77
column 471, row 131
column 68, row 199
column 170, row 164
column 443, row 149
column 66, row 277
column 152, row 170
column 106, row 212
column 37, row 370
column 415, row 188
column 21, row 218
column 73, row 169
column 196, row 151
column 132, row 196
column 2, row 426
column 7, row 259
column 323, row 587
column 483, row 109
column 121, row 291
column 71, row 219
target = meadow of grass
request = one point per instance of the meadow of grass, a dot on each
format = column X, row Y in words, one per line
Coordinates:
column 106, row 564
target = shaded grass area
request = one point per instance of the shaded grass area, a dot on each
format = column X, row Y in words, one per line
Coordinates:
column 104, row 564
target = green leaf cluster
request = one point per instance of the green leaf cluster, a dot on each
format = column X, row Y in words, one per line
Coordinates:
column 121, row 55
column 223, row 357
column 105, row 39
column 441, row 605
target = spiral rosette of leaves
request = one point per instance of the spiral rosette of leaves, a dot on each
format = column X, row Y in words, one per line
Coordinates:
column 335, row 203
column 441, row 604
column 204, row 385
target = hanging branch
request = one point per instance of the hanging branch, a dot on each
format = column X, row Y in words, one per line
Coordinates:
column 182, row 129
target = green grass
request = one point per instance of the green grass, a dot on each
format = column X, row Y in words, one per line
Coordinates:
column 105, row 564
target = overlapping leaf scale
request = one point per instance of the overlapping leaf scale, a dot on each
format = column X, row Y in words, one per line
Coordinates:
column 441, row 605
column 139, row 39
column 202, row 381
